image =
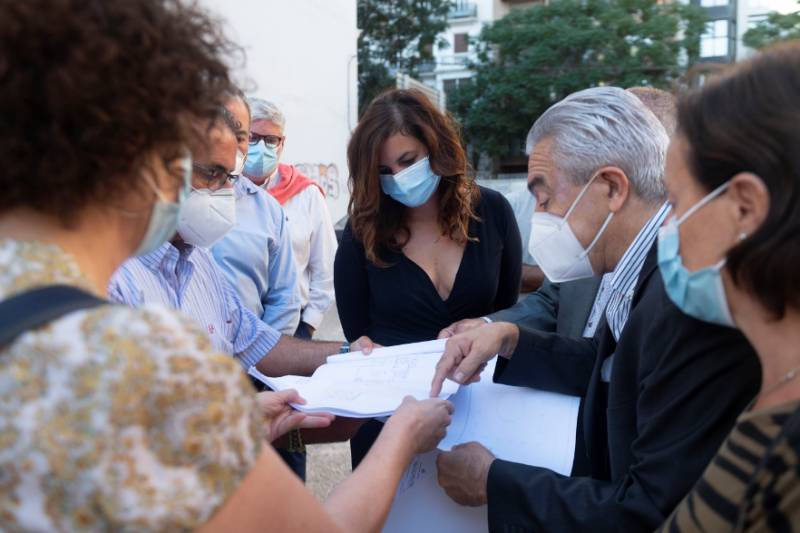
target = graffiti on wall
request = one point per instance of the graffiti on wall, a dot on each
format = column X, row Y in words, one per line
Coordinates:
column 326, row 175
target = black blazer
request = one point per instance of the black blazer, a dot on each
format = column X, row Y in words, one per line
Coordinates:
column 556, row 307
column 676, row 389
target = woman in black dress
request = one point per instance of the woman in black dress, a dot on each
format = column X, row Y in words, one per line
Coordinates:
column 424, row 246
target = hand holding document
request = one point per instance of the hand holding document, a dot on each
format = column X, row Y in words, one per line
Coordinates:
column 359, row 386
column 515, row 423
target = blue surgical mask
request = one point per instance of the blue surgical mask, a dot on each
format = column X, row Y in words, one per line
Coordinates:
column 412, row 186
column 165, row 215
column 699, row 294
column 262, row 159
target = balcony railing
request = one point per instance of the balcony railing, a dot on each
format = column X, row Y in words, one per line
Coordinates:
column 463, row 10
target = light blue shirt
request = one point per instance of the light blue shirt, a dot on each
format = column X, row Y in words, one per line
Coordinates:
column 256, row 257
column 190, row 280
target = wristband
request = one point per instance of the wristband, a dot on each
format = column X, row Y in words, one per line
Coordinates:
column 296, row 442
column 345, row 348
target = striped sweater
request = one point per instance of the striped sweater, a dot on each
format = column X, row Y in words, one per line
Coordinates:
column 753, row 483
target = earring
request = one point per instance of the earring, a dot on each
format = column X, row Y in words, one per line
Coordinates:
column 742, row 236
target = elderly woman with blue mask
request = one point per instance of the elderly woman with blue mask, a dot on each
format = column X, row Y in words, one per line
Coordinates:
column 730, row 256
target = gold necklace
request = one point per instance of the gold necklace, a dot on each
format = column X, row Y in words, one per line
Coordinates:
column 787, row 377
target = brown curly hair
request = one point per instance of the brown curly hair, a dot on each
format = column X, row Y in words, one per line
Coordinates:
column 90, row 88
column 375, row 219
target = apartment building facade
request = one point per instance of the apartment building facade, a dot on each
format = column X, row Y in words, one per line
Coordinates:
column 728, row 21
column 466, row 20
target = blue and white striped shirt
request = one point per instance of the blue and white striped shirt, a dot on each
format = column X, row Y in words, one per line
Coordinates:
column 623, row 280
column 189, row 280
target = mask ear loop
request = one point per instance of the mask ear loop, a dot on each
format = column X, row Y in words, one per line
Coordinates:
column 159, row 196
column 599, row 234
column 602, row 228
column 710, row 196
column 578, row 198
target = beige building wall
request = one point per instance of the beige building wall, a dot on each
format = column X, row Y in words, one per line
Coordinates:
column 302, row 56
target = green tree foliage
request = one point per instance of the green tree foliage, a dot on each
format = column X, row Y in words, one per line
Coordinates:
column 776, row 27
column 396, row 36
column 535, row 57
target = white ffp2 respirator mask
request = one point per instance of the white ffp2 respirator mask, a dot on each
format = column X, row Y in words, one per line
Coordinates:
column 207, row 216
column 557, row 250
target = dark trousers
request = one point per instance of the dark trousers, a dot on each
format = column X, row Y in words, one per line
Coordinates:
column 363, row 440
column 302, row 331
column 296, row 461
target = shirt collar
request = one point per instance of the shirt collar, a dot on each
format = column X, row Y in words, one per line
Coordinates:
column 627, row 271
column 244, row 186
column 167, row 252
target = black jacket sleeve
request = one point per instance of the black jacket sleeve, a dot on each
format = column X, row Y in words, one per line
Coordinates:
column 692, row 380
column 352, row 286
column 548, row 361
column 538, row 310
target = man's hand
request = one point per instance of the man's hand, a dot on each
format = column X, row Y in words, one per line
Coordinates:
column 464, row 472
column 365, row 345
column 280, row 417
column 461, row 326
column 465, row 355
column 532, row 278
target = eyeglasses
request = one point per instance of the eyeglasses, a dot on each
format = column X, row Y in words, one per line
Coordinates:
column 272, row 140
column 215, row 177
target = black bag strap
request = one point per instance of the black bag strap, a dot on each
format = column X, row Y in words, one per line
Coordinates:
column 34, row 308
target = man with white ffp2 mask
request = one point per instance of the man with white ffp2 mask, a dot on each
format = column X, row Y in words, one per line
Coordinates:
column 661, row 389
column 182, row 273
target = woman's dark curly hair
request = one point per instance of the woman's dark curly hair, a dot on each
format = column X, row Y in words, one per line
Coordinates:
column 91, row 88
column 377, row 220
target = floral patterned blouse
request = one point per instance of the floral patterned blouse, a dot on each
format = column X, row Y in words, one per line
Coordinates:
column 115, row 419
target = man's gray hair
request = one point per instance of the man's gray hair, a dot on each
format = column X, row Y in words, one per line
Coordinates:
column 606, row 126
column 261, row 109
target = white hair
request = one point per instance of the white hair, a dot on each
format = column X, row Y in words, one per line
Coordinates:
column 265, row 110
column 606, row 126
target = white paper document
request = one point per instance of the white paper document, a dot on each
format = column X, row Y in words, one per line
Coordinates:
column 515, row 423
column 366, row 386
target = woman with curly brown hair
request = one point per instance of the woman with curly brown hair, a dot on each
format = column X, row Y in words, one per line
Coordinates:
column 121, row 419
column 424, row 246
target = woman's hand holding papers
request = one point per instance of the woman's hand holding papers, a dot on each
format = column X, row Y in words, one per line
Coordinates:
column 424, row 422
column 462, row 326
column 466, row 354
column 280, row 418
column 364, row 345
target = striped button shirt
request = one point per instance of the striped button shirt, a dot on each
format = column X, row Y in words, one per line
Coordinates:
column 624, row 278
column 188, row 279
